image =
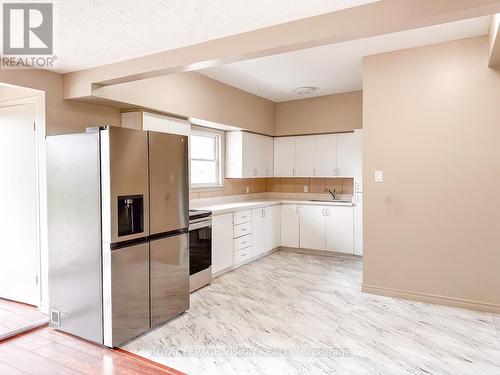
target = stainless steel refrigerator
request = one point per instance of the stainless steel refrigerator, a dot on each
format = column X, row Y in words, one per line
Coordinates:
column 118, row 232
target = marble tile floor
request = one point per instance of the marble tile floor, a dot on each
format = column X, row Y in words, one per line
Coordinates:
column 291, row 313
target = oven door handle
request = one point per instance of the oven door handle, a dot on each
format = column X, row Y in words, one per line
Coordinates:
column 202, row 224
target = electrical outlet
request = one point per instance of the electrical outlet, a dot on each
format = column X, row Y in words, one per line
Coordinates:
column 379, row 176
column 248, row 189
column 306, row 189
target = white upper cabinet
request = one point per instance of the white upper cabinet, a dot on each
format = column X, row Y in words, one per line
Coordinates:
column 155, row 122
column 284, row 156
column 248, row 155
column 346, row 154
column 358, row 162
column 326, row 155
column 305, row 156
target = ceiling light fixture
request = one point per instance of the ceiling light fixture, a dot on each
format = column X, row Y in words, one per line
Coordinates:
column 306, row 90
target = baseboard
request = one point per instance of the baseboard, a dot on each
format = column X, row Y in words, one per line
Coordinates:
column 431, row 298
column 319, row 252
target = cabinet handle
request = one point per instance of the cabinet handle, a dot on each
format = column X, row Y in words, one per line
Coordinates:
column 244, row 242
column 243, row 229
column 323, row 212
column 314, row 171
column 327, row 212
column 338, row 171
column 267, row 172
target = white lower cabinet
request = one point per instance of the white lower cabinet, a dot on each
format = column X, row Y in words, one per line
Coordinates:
column 339, row 229
column 358, row 223
column 261, row 230
column 276, row 226
column 222, row 242
column 327, row 228
column 290, row 225
column 312, row 227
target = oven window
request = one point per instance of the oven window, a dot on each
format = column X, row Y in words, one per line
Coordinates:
column 200, row 249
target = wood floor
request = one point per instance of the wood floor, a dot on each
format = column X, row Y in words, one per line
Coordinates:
column 47, row 351
column 14, row 315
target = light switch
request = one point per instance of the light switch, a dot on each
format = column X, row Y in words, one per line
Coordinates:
column 379, row 176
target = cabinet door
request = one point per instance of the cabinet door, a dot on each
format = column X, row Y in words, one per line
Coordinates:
column 284, row 156
column 358, row 224
column 358, row 160
column 305, row 156
column 276, row 226
column 326, row 155
column 290, row 225
column 339, row 229
column 346, row 155
column 312, row 227
column 267, row 157
column 257, row 232
column 222, row 242
column 267, row 229
column 251, row 155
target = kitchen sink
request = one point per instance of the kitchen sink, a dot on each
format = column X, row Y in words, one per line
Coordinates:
column 331, row 200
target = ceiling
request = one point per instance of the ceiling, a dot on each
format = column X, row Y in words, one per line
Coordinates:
column 97, row 32
column 332, row 68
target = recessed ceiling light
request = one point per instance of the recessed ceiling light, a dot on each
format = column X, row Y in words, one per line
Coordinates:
column 306, row 90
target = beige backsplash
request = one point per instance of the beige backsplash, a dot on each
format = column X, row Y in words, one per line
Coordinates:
column 238, row 186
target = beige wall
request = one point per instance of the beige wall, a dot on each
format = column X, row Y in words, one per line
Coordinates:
column 330, row 113
column 61, row 116
column 194, row 95
column 431, row 123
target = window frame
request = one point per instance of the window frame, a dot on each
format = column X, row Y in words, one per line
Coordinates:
column 219, row 136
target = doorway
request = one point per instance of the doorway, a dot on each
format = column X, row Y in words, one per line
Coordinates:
column 20, row 245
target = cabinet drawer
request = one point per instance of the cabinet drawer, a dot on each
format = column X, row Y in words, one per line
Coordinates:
column 242, row 229
column 242, row 255
column 241, row 217
column 242, row 242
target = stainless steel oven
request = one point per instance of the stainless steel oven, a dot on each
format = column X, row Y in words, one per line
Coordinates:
column 200, row 249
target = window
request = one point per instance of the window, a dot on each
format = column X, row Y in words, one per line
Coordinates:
column 205, row 156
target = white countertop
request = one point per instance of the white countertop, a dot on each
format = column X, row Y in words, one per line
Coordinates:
column 223, row 208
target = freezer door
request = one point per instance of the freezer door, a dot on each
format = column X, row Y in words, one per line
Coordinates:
column 168, row 171
column 169, row 278
column 125, row 193
column 130, row 292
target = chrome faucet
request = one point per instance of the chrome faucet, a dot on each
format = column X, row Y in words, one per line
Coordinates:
column 333, row 193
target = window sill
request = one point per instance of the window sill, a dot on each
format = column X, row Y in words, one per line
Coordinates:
column 198, row 189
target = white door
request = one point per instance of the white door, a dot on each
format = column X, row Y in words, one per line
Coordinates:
column 267, row 229
column 257, row 232
column 290, row 225
column 312, row 227
column 18, row 221
column 284, row 156
column 276, row 226
column 305, row 156
column 267, row 146
column 358, row 160
column 346, row 155
column 326, row 155
column 358, row 224
column 251, row 155
column 222, row 242
column 339, row 229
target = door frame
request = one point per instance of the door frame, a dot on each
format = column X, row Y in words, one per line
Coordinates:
column 38, row 100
